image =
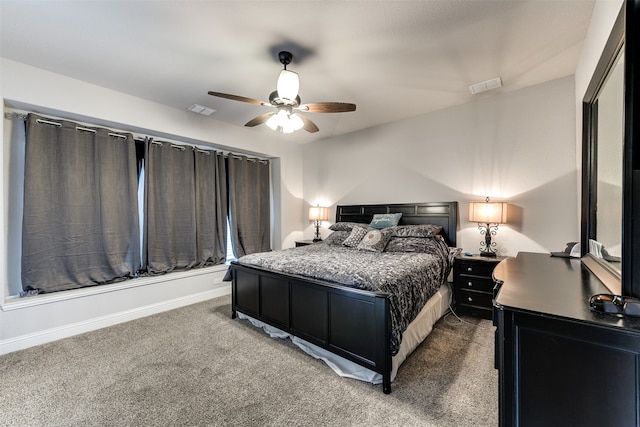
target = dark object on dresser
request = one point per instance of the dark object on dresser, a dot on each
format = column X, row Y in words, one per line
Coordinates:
column 616, row 305
column 560, row 363
column 346, row 321
column 473, row 284
column 304, row 243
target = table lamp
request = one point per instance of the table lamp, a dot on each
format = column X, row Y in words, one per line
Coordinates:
column 488, row 215
column 318, row 214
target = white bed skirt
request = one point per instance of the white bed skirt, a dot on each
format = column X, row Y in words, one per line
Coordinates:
column 416, row 332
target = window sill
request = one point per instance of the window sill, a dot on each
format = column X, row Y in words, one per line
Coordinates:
column 16, row 303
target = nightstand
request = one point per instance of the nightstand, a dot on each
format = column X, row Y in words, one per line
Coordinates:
column 473, row 284
column 303, row 243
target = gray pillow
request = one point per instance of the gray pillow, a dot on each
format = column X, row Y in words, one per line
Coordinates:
column 345, row 226
column 375, row 240
column 357, row 233
column 416, row 244
column 336, row 238
column 424, row 230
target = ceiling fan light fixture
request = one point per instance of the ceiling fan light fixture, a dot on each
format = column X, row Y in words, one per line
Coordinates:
column 273, row 122
column 279, row 120
column 286, row 129
column 285, row 122
column 296, row 122
column 288, row 85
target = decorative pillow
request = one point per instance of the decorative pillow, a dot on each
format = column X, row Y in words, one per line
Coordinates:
column 336, row 238
column 453, row 253
column 385, row 220
column 431, row 245
column 375, row 240
column 345, row 226
column 357, row 233
column 424, row 230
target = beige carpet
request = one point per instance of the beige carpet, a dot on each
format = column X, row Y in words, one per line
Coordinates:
column 195, row 366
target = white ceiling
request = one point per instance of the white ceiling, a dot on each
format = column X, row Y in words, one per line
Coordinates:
column 394, row 59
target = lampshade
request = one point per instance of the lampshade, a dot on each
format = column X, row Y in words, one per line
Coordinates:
column 317, row 213
column 288, row 85
column 488, row 212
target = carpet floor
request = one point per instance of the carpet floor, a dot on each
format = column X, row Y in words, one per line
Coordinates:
column 195, row 366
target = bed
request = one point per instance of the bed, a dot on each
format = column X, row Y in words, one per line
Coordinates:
column 345, row 317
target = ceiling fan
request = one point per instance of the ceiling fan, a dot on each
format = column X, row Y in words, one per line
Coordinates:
column 286, row 102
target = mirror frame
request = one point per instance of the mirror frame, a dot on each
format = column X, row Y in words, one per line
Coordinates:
column 610, row 55
column 631, row 155
column 625, row 33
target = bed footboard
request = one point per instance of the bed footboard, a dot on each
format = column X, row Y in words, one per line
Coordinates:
column 351, row 323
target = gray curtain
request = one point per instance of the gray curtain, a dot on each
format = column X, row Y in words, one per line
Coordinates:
column 170, row 214
column 211, row 202
column 249, row 205
column 80, row 221
column 185, row 208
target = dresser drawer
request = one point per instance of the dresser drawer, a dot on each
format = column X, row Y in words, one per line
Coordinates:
column 472, row 283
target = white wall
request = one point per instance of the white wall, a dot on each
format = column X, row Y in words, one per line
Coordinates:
column 518, row 147
column 29, row 321
column 604, row 16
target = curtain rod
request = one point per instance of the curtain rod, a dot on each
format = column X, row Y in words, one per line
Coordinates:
column 48, row 122
column 23, row 116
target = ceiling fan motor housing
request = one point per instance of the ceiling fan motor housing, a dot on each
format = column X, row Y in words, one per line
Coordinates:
column 285, row 58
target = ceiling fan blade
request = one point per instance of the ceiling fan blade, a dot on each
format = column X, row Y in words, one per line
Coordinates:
column 328, row 107
column 239, row 98
column 309, row 126
column 260, row 119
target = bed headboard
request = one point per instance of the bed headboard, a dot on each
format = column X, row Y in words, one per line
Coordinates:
column 444, row 214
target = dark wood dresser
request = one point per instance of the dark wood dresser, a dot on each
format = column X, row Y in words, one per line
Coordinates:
column 559, row 363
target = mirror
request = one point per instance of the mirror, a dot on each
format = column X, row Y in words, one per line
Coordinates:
column 602, row 167
column 609, row 139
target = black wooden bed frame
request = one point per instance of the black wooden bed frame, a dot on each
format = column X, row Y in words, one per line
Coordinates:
column 349, row 322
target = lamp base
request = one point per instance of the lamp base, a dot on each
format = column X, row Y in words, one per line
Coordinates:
column 487, row 247
column 488, row 254
column 317, row 238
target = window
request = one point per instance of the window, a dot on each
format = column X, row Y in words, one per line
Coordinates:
column 141, row 187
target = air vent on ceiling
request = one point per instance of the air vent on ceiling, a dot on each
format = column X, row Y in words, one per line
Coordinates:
column 485, row 86
column 201, row 109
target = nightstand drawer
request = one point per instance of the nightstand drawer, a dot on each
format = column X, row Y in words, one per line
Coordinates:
column 471, row 283
column 483, row 269
column 478, row 299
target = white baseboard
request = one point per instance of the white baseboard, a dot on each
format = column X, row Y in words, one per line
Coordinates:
column 42, row 337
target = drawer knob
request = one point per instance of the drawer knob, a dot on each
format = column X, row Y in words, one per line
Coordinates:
column 470, row 284
column 469, row 268
column 470, row 299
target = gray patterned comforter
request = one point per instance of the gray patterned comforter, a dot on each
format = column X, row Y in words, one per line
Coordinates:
column 410, row 278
